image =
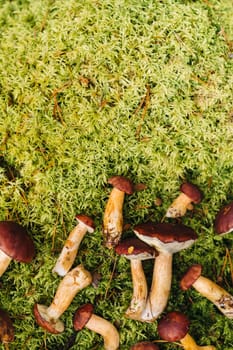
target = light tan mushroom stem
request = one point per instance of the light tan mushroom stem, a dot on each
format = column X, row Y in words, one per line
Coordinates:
column 4, row 262
column 113, row 218
column 106, row 329
column 179, row 206
column 139, row 297
column 70, row 249
column 217, row 295
column 189, row 344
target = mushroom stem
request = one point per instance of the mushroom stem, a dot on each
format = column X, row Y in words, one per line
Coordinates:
column 4, row 262
column 138, row 301
column 113, row 218
column 160, row 287
column 179, row 206
column 189, row 344
column 217, row 295
column 106, row 329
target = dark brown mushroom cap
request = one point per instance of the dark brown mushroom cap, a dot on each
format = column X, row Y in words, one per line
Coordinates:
column 224, row 219
column 15, row 242
column 192, row 191
column 86, row 220
column 134, row 248
column 6, row 327
column 122, row 183
column 173, row 326
column 49, row 326
column 144, row 345
column 82, row 316
column 191, row 275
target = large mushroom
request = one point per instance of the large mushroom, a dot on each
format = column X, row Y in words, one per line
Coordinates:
column 48, row 316
column 144, row 345
column 167, row 239
column 6, row 328
column 136, row 251
column 15, row 243
column 85, row 317
column 174, row 326
column 72, row 243
column 113, row 214
column 207, row 288
column 190, row 193
column 224, row 219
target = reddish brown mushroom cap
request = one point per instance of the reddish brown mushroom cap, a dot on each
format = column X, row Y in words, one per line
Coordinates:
column 122, row 183
column 224, row 219
column 173, row 326
column 144, row 345
column 82, row 316
column 191, row 275
column 192, row 191
column 6, row 328
column 47, row 325
column 15, row 242
column 86, row 220
column 134, row 248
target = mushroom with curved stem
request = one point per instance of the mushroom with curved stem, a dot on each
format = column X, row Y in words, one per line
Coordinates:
column 207, row 288
column 74, row 281
column 144, row 345
column 190, row 193
column 85, row 317
column 15, row 243
column 174, row 326
column 72, row 243
column 223, row 223
column 6, row 328
column 113, row 214
column 136, row 251
column 167, row 239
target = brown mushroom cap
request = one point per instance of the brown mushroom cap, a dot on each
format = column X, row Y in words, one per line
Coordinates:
column 82, row 316
column 192, row 191
column 15, row 242
column 48, row 325
column 86, row 220
column 224, row 219
column 122, row 183
column 134, row 248
column 144, row 345
column 173, row 326
column 191, row 275
column 6, row 327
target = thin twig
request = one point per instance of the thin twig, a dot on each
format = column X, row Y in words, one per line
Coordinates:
column 111, row 277
column 144, row 102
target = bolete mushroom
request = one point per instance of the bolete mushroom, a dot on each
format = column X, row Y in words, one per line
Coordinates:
column 144, row 345
column 15, row 243
column 72, row 243
column 113, row 214
column 74, row 281
column 207, row 288
column 136, row 251
column 190, row 193
column 174, row 326
column 6, row 327
column 224, row 219
column 85, row 317
column 167, row 239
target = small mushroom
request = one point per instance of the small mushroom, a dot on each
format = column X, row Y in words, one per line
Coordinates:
column 72, row 243
column 174, row 326
column 6, row 328
column 144, row 345
column 136, row 251
column 85, row 317
column 190, row 193
column 224, row 219
column 15, row 243
column 167, row 239
column 74, row 281
column 113, row 214
column 210, row 290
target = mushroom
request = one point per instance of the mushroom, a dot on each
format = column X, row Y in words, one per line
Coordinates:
column 174, row 326
column 85, row 317
column 72, row 243
column 224, row 219
column 213, row 292
column 15, row 243
column 144, row 345
column 136, row 250
column 190, row 193
column 113, row 214
column 48, row 317
column 6, row 328
column 167, row 238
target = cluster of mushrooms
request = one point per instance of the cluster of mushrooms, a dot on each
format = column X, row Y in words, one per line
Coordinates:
column 158, row 241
